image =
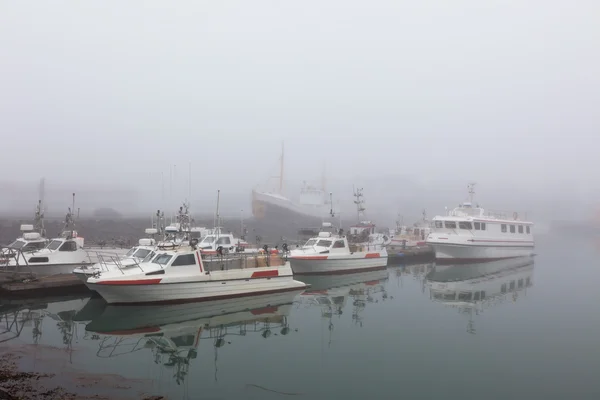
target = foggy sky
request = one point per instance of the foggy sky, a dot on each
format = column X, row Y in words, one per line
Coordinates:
column 436, row 93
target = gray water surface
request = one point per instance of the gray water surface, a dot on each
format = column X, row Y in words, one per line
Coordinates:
column 518, row 330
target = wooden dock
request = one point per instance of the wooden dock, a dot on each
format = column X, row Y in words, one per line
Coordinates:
column 399, row 255
column 20, row 286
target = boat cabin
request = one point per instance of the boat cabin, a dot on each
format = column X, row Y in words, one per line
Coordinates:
column 30, row 240
column 215, row 239
column 326, row 242
column 361, row 227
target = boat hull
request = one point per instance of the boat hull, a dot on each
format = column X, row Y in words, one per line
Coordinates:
column 182, row 292
column 344, row 265
column 465, row 253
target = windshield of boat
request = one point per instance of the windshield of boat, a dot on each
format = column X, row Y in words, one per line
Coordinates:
column 17, row 244
column 162, row 259
column 324, row 243
column 131, row 251
column 208, row 240
column 55, row 244
column 310, row 243
column 142, row 253
column 149, row 257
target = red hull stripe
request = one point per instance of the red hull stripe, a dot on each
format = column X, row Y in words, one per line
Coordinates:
column 266, row 310
column 265, row 274
column 373, row 255
column 199, row 260
column 132, row 282
column 309, row 258
column 500, row 241
column 151, row 329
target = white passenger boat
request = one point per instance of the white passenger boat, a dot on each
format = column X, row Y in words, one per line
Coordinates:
column 470, row 234
column 330, row 253
column 180, row 274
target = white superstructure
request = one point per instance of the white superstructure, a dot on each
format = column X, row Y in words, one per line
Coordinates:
column 470, row 234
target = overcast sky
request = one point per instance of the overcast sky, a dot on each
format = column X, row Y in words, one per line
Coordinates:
column 113, row 92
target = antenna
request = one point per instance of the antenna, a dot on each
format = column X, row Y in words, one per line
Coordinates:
column 331, row 205
column 359, row 203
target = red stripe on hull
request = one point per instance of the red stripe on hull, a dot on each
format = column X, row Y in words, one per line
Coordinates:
column 132, row 282
column 309, row 258
column 342, row 272
column 265, row 274
column 373, row 255
column 152, row 329
column 211, row 298
column 266, row 310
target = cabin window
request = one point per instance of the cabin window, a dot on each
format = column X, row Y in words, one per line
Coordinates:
column 131, row 251
column 465, row 296
column 311, row 242
column 483, row 226
column 324, row 243
column 528, row 230
column 142, row 253
column 512, row 229
column 503, row 288
column 224, row 240
column 208, row 240
column 477, row 226
column 439, row 224
column 339, row 244
column 520, row 283
column 149, row 257
column 68, row 246
column 465, row 225
column 503, row 228
column 528, row 282
column 34, row 246
column 162, row 259
column 477, row 296
column 520, row 228
column 450, row 224
column 185, row 259
column 55, row 244
column 483, row 295
column 17, row 244
column 38, row 259
column 512, row 285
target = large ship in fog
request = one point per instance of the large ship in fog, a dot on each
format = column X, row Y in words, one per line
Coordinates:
column 272, row 204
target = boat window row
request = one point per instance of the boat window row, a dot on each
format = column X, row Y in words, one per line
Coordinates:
column 515, row 284
column 481, row 226
column 515, row 228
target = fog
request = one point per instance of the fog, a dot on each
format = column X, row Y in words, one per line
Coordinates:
column 410, row 100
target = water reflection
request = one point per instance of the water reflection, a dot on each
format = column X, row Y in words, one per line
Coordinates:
column 330, row 293
column 475, row 287
column 173, row 332
column 15, row 317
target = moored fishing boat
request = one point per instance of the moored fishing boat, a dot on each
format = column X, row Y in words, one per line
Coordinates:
column 330, row 253
column 180, row 274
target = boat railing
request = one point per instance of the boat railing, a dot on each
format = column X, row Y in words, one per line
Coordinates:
column 20, row 264
column 107, row 261
column 216, row 262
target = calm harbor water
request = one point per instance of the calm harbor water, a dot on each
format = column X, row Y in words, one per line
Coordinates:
column 496, row 331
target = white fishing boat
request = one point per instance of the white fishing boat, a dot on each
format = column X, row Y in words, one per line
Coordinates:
column 227, row 241
column 179, row 274
column 470, row 234
column 411, row 236
column 61, row 255
column 33, row 236
column 331, row 253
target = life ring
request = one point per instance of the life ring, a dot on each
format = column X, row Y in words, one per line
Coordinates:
column 515, row 215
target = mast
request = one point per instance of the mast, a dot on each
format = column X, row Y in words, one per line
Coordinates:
column 281, row 171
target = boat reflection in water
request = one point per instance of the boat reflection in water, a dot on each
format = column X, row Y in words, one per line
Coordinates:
column 475, row 287
column 174, row 332
column 331, row 293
